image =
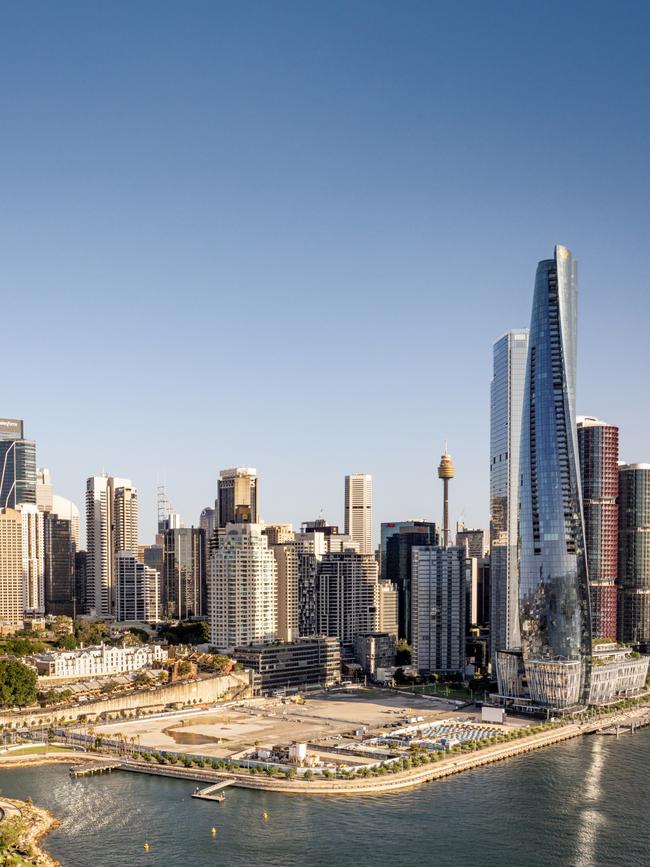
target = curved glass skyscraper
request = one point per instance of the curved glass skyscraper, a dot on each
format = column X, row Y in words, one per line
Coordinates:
column 553, row 586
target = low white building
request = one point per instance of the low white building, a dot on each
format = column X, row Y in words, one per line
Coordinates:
column 616, row 673
column 99, row 660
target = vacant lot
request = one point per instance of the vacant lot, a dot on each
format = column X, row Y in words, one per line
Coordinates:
column 324, row 718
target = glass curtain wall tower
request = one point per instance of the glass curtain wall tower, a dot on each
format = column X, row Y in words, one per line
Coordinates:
column 554, row 613
column 506, row 404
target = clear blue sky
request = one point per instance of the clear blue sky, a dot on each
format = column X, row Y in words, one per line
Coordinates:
column 286, row 235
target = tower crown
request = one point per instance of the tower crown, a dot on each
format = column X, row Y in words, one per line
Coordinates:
column 446, row 467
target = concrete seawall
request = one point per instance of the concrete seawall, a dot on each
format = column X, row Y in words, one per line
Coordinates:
column 203, row 691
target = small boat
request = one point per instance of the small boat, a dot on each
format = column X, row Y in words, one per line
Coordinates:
column 265, row 816
column 213, row 831
column 146, row 847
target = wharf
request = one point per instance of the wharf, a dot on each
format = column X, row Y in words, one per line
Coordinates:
column 209, row 793
column 94, row 768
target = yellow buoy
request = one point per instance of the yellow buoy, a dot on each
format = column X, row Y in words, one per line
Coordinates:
column 213, row 831
column 265, row 816
column 146, row 847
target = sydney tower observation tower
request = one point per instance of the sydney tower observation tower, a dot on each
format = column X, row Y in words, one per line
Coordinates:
column 445, row 472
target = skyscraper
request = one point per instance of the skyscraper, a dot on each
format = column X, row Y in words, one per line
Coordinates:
column 242, row 588
column 17, row 465
column 184, row 573
column 438, row 608
column 358, row 510
column 238, row 501
column 11, row 568
column 125, row 517
column 634, row 554
column 398, row 565
column 598, row 447
column 506, row 405
column 288, row 564
column 33, row 558
column 554, row 591
column 137, row 589
column 347, row 595
column 111, row 526
column 60, row 550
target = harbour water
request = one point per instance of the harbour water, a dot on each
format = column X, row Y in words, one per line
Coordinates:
column 579, row 804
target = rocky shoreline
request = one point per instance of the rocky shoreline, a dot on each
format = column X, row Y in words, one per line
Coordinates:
column 38, row 822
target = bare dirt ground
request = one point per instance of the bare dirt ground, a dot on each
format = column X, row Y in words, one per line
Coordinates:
column 324, row 718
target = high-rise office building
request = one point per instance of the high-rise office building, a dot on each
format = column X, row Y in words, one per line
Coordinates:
column 358, row 510
column 554, row 591
column 183, row 577
column 81, row 582
column 12, row 606
column 44, row 490
column 137, row 590
column 472, row 540
column 111, row 526
column 634, row 554
column 238, row 496
column 33, row 557
column 598, row 448
column 17, row 465
column 67, row 511
column 398, row 565
column 242, row 588
column 61, row 527
column 347, row 595
column 59, row 578
column 438, row 608
column 506, row 406
column 390, row 528
column 208, row 521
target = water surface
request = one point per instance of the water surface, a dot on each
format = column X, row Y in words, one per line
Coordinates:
column 579, row 804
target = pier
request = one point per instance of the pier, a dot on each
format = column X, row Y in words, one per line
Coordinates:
column 94, row 768
column 210, row 792
column 625, row 726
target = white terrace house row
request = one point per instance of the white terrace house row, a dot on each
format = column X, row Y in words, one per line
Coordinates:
column 99, row 660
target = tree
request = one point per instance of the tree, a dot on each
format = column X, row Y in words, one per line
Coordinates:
column 90, row 633
column 17, row 684
column 403, row 653
column 184, row 667
column 67, row 642
column 62, row 625
column 222, row 664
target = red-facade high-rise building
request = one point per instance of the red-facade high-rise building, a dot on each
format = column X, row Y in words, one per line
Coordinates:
column 598, row 447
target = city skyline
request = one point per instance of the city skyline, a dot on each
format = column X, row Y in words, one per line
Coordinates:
column 203, row 188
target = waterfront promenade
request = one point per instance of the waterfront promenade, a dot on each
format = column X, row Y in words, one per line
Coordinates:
column 453, row 763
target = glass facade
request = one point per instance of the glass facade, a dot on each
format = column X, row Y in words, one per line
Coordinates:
column 17, row 473
column 184, row 573
column 506, row 403
column 398, row 563
column 554, row 610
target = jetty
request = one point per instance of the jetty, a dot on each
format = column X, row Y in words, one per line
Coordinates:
column 625, row 726
column 213, row 793
column 94, row 768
